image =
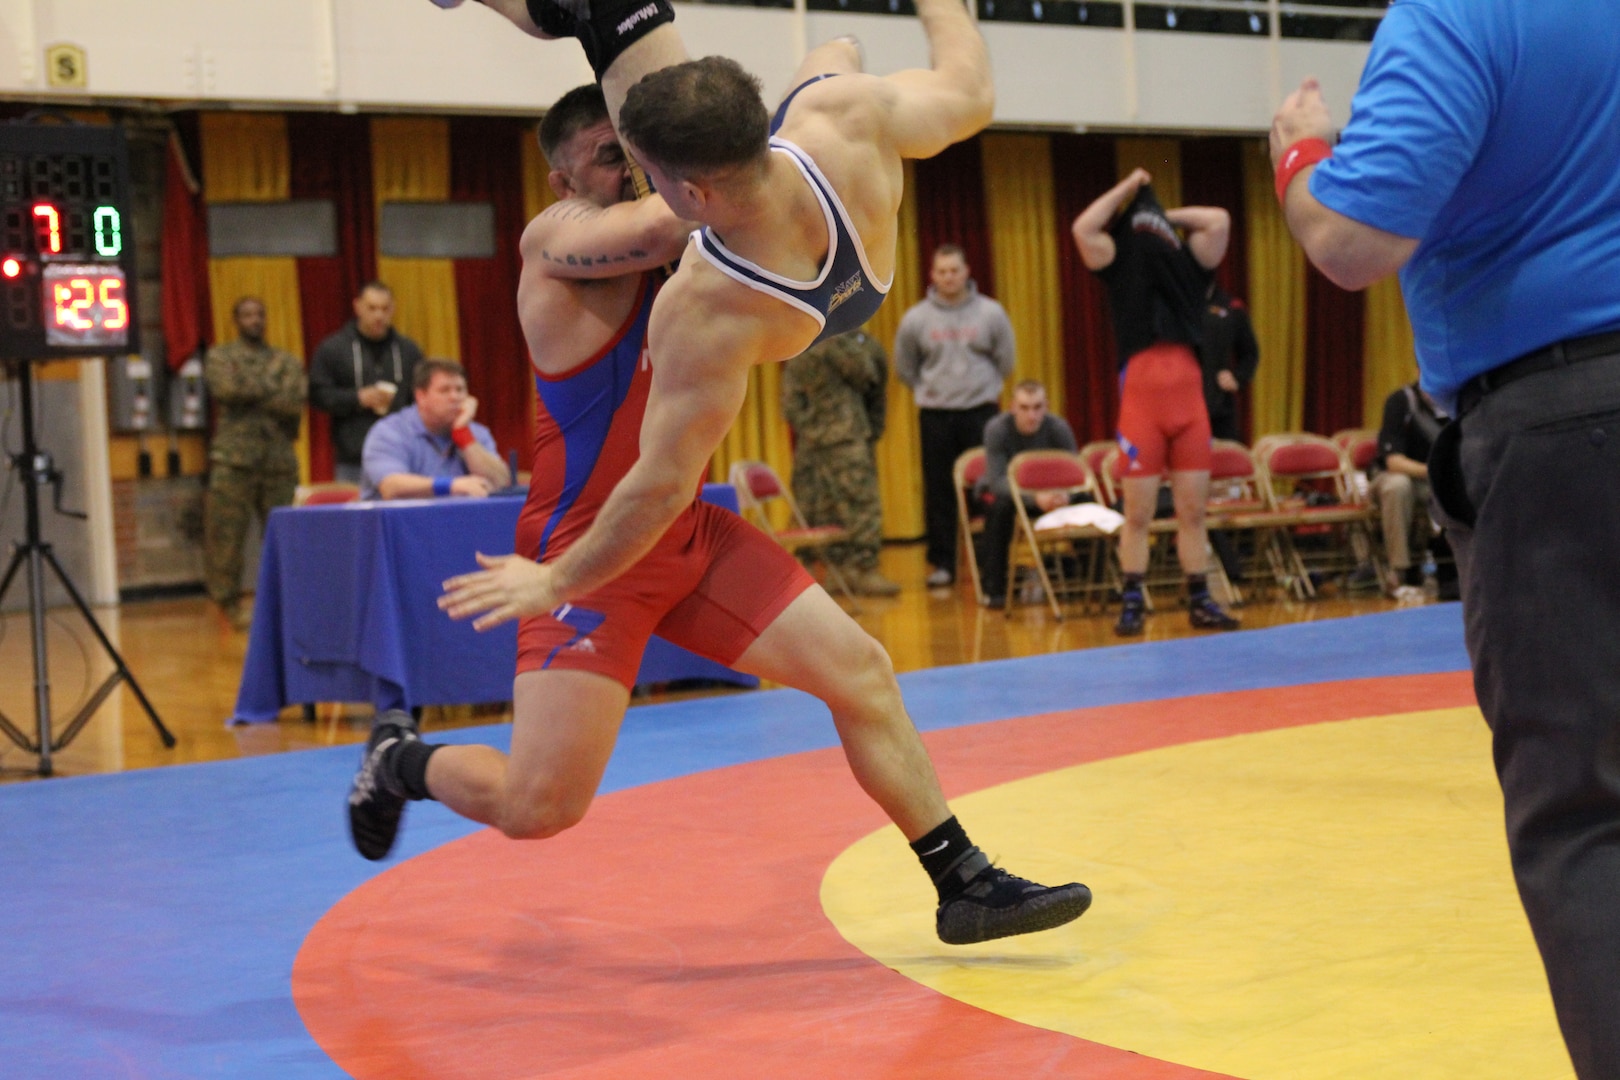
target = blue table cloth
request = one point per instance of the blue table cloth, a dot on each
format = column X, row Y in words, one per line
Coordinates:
column 347, row 609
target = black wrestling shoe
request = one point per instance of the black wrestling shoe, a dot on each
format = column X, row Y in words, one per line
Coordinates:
column 375, row 810
column 997, row 904
column 1205, row 614
column 1132, row 616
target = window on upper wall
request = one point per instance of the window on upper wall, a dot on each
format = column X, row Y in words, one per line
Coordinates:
column 1246, row 17
column 1059, row 12
column 1332, row 20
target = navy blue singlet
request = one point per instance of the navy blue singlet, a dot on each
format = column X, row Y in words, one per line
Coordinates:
column 846, row 293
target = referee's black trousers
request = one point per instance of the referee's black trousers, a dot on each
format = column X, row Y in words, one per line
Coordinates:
column 1527, row 483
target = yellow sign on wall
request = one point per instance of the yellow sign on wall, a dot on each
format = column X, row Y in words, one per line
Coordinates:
column 65, row 66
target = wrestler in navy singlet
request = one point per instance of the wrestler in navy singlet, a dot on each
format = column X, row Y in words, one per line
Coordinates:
column 847, row 293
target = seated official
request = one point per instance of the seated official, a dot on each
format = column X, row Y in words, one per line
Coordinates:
column 432, row 447
column 1029, row 426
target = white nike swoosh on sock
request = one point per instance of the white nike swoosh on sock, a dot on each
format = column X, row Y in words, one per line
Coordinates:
column 943, row 844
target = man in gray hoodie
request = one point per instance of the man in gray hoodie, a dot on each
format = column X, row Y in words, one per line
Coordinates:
column 955, row 350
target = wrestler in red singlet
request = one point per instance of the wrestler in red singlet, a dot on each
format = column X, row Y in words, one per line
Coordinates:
column 1157, row 291
column 713, row 583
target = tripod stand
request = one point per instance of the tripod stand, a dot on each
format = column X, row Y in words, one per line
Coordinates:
column 34, row 465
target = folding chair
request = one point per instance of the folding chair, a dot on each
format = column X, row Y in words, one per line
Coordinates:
column 1238, row 504
column 1295, row 465
column 757, row 485
column 1053, row 470
column 966, row 471
column 1094, row 454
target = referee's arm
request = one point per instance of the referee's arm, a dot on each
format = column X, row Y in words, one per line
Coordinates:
column 1352, row 255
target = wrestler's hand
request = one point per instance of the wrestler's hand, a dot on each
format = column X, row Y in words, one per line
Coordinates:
column 508, row 587
column 1303, row 115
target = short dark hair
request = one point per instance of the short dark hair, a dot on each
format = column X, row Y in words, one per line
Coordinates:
column 426, row 369
column 698, row 118
column 947, row 250
column 236, row 308
column 1030, row 386
column 371, row 285
column 580, row 108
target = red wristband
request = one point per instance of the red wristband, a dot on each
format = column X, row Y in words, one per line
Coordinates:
column 1301, row 155
column 462, row 437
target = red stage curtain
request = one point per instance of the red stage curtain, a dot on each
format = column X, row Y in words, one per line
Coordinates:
column 486, row 165
column 950, row 210
column 331, row 159
column 1083, row 167
column 1335, row 333
column 1212, row 175
column 187, row 304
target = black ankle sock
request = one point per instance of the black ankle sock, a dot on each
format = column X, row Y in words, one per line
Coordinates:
column 945, row 853
column 1131, row 586
column 1197, row 588
column 1412, row 575
column 405, row 768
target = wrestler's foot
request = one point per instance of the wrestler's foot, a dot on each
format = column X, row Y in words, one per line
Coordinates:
column 997, row 904
column 374, row 809
column 1132, row 616
column 1205, row 614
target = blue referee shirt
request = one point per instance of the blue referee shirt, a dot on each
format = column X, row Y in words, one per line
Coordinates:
column 1490, row 131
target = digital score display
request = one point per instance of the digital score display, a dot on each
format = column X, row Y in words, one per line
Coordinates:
column 66, row 258
column 85, row 306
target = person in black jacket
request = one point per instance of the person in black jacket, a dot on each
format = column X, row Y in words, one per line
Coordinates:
column 361, row 374
column 1229, row 355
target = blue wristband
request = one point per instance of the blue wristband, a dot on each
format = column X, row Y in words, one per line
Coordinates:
column 441, row 485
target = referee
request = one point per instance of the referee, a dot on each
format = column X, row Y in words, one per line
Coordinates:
column 1482, row 161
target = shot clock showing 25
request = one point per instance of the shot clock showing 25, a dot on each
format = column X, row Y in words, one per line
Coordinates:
column 66, row 255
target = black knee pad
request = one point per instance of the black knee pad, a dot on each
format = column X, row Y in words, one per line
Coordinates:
column 606, row 28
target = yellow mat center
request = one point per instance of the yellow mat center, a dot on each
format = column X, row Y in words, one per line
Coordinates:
column 1324, row 901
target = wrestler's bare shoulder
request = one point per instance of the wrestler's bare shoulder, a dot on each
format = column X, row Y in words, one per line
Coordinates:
column 702, row 309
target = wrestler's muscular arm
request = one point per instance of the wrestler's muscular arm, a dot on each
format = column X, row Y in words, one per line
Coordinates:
column 698, row 386
column 1090, row 229
column 954, row 97
column 1208, row 229
column 697, row 390
column 577, row 239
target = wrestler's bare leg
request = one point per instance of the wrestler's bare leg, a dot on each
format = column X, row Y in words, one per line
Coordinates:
column 1141, row 498
column 1191, row 493
column 815, row 647
column 564, row 726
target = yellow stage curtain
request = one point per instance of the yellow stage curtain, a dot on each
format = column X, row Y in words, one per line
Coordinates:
column 245, row 159
column 1276, row 301
column 1024, row 231
column 1389, row 360
column 1160, row 157
column 899, row 452
column 410, row 162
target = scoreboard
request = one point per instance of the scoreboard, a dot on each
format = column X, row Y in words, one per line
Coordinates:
column 67, row 265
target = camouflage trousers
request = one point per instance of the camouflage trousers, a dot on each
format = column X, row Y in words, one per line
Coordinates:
column 838, row 485
column 235, row 497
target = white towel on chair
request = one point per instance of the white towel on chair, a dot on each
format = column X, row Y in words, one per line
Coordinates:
column 1095, row 515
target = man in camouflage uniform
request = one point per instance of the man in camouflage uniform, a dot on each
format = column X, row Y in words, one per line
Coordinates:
column 260, row 392
column 835, row 397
